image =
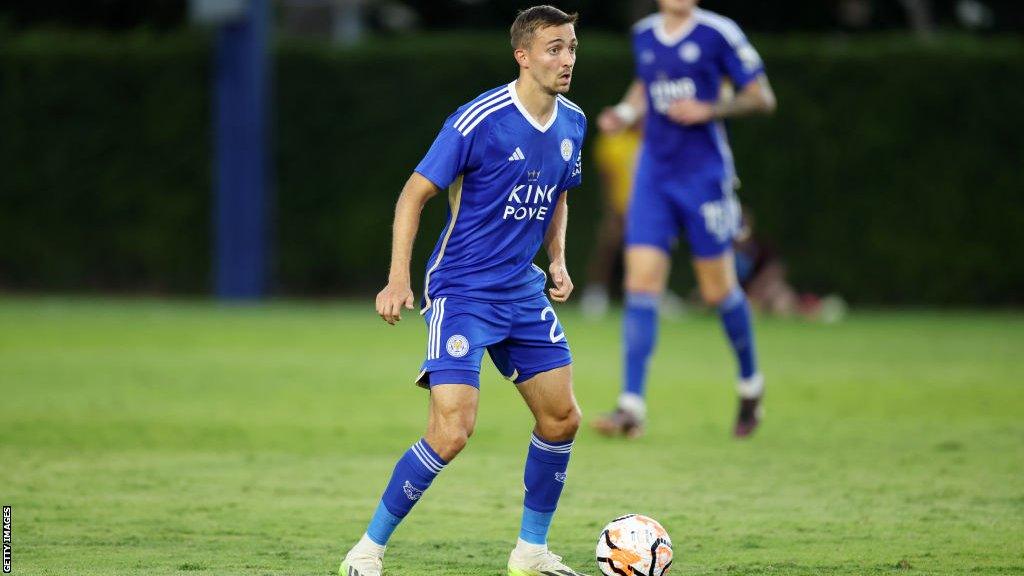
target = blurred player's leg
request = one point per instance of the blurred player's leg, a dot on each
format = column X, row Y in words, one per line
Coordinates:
column 718, row 287
column 550, row 398
column 452, row 417
column 600, row 269
column 647, row 270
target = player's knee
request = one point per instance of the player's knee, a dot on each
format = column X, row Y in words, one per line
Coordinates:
column 449, row 439
column 712, row 298
column 647, row 287
column 646, row 270
column 562, row 425
column 451, row 443
column 643, row 279
column 714, row 295
column 572, row 423
column 457, row 441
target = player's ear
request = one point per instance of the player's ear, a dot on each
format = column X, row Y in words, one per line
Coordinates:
column 521, row 57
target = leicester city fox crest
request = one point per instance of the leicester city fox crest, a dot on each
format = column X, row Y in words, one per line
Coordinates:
column 566, row 149
column 689, row 52
column 411, row 492
column 457, row 346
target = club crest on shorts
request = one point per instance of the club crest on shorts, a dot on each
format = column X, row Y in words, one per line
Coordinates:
column 457, row 346
column 566, row 149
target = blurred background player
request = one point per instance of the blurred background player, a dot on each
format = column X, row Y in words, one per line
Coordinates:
column 685, row 182
column 507, row 159
column 615, row 156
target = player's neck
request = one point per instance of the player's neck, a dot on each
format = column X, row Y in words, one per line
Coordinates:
column 672, row 22
column 538, row 102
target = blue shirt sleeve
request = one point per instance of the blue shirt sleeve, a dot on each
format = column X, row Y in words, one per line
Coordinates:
column 635, row 41
column 576, row 175
column 451, row 154
column 740, row 61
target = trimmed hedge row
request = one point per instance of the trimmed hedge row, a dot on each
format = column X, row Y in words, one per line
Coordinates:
column 104, row 163
column 891, row 172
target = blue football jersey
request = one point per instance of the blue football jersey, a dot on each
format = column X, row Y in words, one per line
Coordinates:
column 691, row 63
column 504, row 173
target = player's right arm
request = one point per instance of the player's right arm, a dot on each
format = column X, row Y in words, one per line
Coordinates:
column 398, row 292
column 626, row 113
column 453, row 152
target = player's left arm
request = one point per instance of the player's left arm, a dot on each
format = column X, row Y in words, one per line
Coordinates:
column 554, row 242
column 757, row 97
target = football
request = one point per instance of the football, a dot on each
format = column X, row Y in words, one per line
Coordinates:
column 634, row 545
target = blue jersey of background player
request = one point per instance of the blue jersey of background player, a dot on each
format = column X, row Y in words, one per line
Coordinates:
column 507, row 159
column 690, row 64
column 684, row 184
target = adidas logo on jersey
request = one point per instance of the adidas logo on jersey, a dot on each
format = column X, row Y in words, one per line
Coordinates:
column 517, row 155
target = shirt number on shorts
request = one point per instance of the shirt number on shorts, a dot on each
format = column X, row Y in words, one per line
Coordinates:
column 721, row 218
column 554, row 324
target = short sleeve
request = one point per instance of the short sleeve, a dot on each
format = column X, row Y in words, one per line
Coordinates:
column 640, row 38
column 636, row 54
column 576, row 175
column 451, row 154
column 739, row 60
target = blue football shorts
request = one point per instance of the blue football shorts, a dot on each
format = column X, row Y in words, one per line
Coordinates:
column 522, row 338
column 663, row 203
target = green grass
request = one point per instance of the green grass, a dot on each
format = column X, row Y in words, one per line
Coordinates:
column 147, row 437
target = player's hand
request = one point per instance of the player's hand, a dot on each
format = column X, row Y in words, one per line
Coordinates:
column 391, row 299
column 689, row 112
column 610, row 122
column 563, row 283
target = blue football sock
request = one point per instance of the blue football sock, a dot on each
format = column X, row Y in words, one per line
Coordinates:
column 640, row 331
column 544, row 478
column 735, row 314
column 413, row 473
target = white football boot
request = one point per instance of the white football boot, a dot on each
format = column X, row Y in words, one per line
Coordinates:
column 536, row 560
column 366, row 558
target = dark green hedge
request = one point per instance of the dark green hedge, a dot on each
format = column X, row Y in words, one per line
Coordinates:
column 891, row 172
column 104, row 163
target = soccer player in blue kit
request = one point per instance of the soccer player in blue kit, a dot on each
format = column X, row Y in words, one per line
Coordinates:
column 507, row 159
column 685, row 182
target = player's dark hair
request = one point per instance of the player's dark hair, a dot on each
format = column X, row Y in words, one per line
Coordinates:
column 532, row 19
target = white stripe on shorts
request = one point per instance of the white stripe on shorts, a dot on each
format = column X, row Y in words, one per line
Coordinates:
column 436, row 319
column 430, row 332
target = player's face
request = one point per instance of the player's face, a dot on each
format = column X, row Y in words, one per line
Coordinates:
column 677, row 6
column 552, row 55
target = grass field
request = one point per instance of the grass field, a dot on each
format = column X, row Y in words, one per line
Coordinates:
column 148, row 437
